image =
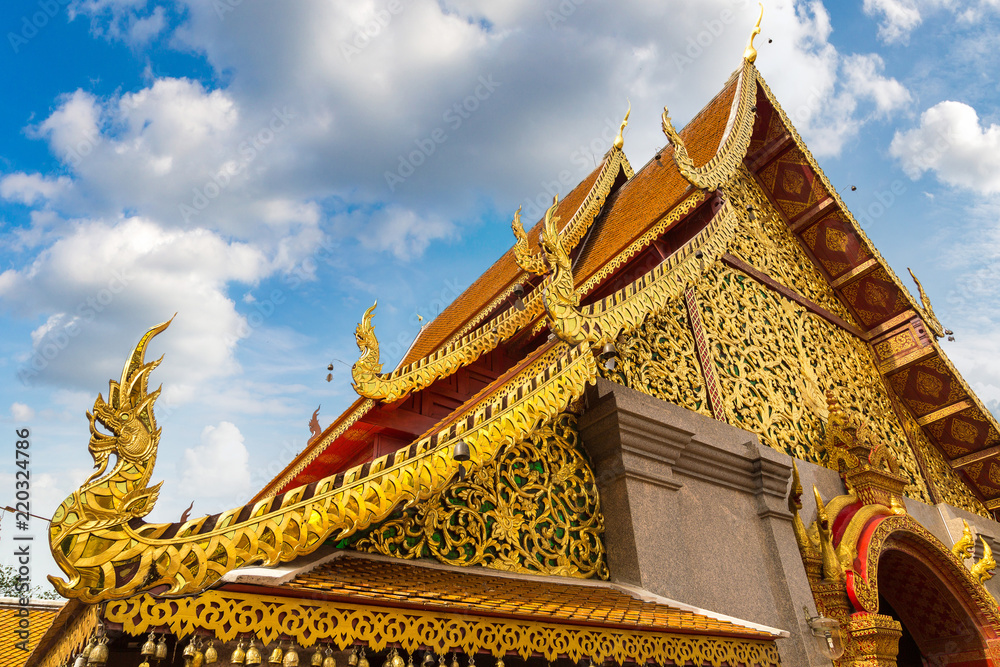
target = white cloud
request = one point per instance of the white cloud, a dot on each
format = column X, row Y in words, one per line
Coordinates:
column 21, row 412
column 865, row 80
column 898, row 18
column 31, row 188
column 218, row 468
column 951, row 143
column 102, row 284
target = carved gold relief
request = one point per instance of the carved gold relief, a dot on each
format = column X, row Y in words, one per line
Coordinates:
column 775, row 359
column 229, row 614
column 535, row 509
column 659, row 358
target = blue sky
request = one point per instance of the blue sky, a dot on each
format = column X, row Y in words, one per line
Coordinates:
column 266, row 170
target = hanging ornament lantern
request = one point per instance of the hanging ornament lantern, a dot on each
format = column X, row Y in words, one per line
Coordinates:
column 211, row 655
column 148, row 649
column 161, row 648
column 291, row 657
column 276, row 655
column 239, row 655
column 253, row 655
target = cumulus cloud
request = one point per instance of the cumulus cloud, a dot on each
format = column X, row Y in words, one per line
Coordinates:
column 98, row 286
column 951, row 142
column 219, row 467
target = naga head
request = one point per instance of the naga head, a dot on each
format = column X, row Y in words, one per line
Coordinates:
column 551, row 244
column 966, row 545
column 983, row 569
column 127, row 415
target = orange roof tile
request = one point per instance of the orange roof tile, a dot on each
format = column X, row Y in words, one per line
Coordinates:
column 541, row 598
column 39, row 617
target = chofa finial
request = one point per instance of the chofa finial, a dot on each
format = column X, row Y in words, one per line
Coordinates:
column 620, row 139
column 750, row 54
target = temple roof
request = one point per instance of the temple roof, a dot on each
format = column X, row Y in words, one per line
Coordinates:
column 358, row 577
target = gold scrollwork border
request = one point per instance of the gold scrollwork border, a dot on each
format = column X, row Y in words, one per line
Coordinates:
column 229, row 614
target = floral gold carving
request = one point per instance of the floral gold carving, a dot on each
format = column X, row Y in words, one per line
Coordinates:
column 535, row 509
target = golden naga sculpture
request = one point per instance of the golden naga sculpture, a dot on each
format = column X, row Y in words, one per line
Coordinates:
column 529, row 262
column 99, row 540
column 927, row 312
column 983, row 570
column 750, row 53
column 725, row 164
column 966, row 544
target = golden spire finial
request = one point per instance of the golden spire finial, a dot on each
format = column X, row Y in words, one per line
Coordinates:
column 750, row 54
column 620, row 139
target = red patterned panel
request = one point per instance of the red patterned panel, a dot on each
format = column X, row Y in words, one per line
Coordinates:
column 964, row 432
column 925, row 606
column 792, row 184
column 835, row 244
column 986, row 477
column 767, row 127
column 875, row 298
column 927, row 386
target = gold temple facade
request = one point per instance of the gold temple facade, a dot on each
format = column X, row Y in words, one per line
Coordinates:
column 593, row 454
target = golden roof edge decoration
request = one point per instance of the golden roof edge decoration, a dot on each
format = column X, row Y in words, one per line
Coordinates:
column 96, row 541
column 863, row 238
column 620, row 138
column 468, row 344
column 732, row 149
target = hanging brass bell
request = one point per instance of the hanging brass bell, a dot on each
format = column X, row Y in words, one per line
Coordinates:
column 362, row 661
column 397, row 660
column 329, row 660
column 149, row 648
column 189, row 649
column 454, row 660
column 253, row 655
column 239, row 655
column 81, row 661
column 144, row 663
column 352, row 660
column 161, row 648
column 291, row 658
column 276, row 655
column 500, row 662
column 99, row 653
column 211, row 655
column 88, row 648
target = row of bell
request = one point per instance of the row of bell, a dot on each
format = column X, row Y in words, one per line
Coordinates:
column 94, row 654
column 290, row 658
